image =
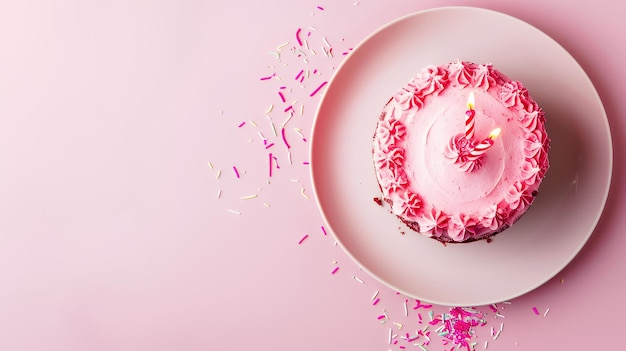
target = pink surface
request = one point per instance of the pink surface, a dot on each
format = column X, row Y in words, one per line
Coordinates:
column 116, row 233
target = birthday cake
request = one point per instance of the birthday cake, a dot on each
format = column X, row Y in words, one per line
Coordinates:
column 460, row 151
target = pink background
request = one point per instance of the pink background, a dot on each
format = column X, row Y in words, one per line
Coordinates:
column 122, row 223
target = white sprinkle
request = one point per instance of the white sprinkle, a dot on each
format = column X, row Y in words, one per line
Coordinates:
column 306, row 44
column 406, row 310
column 506, row 302
column 546, row 312
column 312, row 52
column 501, row 326
column 248, row 197
column 253, row 123
column 279, row 47
column 390, row 332
column 289, row 158
column 233, row 211
column 303, row 194
column 357, row 279
column 355, row 3
column 499, row 315
column 496, row 336
column 269, row 109
column 219, row 173
column 375, row 294
column 266, row 204
column 210, row 165
column 261, row 135
column 301, row 110
column 287, row 120
column 486, row 343
column 219, row 193
column 294, row 180
column 326, row 41
column 299, row 131
column 399, row 325
column 312, row 28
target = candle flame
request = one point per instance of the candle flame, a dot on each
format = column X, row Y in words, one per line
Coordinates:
column 494, row 133
column 470, row 100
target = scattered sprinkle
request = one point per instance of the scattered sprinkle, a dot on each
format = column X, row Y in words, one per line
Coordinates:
column 357, row 279
column 375, row 295
column 546, row 312
column 219, row 193
column 318, row 88
column 298, row 36
column 218, row 174
column 303, row 194
column 248, row 197
column 282, row 132
column 210, row 165
column 334, row 270
column 303, row 238
column 236, row 171
column 234, row 212
column 324, row 230
column 536, row 310
column 269, row 109
column 375, row 302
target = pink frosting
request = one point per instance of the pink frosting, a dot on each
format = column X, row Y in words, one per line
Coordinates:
column 420, row 152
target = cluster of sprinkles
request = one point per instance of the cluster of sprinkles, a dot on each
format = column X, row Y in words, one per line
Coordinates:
column 298, row 82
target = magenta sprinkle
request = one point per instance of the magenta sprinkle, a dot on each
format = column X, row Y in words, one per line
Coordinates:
column 375, row 302
column 268, row 77
column 305, row 163
column 493, row 308
column 321, row 8
column 236, row 171
column 324, row 230
column 241, row 124
column 269, row 146
column 282, row 97
column 290, row 107
column 419, row 304
column 318, row 88
column 303, row 238
column 282, row 132
column 271, row 157
column 382, row 316
column 299, row 74
column 536, row 310
column 298, row 36
column 334, row 270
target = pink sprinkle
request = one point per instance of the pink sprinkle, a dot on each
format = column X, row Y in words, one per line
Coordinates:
column 299, row 74
column 303, row 238
column 285, row 139
column 241, row 124
column 236, row 171
column 334, row 270
column 382, row 316
column 493, row 308
column 318, row 88
column 298, row 36
column 282, row 97
column 324, row 230
column 536, row 310
column 375, row 302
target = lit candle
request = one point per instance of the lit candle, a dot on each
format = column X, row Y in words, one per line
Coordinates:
column 484, row 145
column 469, row 117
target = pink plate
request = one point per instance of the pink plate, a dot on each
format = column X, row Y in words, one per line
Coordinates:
column 523, row 257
